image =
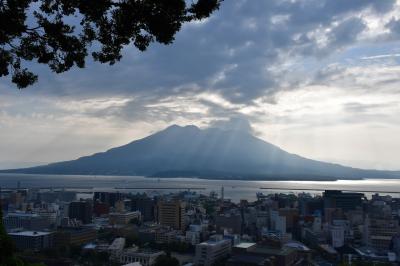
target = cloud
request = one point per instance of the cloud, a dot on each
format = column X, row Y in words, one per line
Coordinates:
column 381, row 56
column 271, row 67
column 231, row 53
column 236, row 123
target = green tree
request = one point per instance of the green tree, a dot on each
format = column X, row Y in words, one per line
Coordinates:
column 7, row 248
column 220, row 262
column 166, row 260
column 60, row 33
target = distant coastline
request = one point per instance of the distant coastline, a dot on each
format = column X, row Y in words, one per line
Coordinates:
column 196, row 175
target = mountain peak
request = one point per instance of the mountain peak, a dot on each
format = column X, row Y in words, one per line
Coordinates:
column 222, row 152
column 178, row 127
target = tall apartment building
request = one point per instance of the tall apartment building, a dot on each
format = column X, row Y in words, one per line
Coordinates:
column 81, row 210
column 171, row 213
column 342, row 200
column 207, row 253
column 337, row 235
column 110, row 198
column 379, row 232
column 145, row 205
column 278, row 222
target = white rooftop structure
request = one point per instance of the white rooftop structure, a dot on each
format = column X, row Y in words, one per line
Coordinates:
column 30, row 233
column 117, row 244
column 133, row 264
column 22, row 214
column 245, row 245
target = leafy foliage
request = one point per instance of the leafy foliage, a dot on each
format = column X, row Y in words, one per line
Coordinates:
column 166, row 260
column 7, row 248
column 60, row 33
column 181, row 247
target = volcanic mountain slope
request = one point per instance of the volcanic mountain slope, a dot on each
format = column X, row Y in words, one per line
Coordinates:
column 210, row 153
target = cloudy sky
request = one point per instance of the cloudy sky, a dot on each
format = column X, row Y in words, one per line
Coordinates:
column 317, row 78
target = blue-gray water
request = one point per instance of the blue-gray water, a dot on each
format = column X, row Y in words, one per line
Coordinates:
column 233, row 189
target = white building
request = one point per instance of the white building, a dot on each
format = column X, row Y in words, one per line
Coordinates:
column 317, row 224
column 144, row 257
column 210, row 251
column 133, row 264
column 116, row 247
column 337, row 235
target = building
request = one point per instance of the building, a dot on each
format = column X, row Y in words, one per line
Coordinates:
column 278, row 222
column 144, row 257
column 100, row 209
column 313, row 238
column 212, row 250
column 50, row 216
column 110, row 198
column 117, row 218
column 145, row 205
column 309, row 205
column 281, row 255
column 343, row 200
column 291, row 217
column 16, row 199
column 166, row 235
column 116, row 247
column 249, row 260
column 81, row 210
column 27, row 221
column 53, row 196
column 240, row 256
column 33, row 240
column 193, row 235
column 379, row 232
column 231, row 222
column 133, row 264
column 337, row 235
column 74, row 236
column 171, row 213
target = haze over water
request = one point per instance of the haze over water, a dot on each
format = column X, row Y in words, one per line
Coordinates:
column 233, row 189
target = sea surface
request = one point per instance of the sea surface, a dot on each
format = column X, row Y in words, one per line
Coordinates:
column 233, row 189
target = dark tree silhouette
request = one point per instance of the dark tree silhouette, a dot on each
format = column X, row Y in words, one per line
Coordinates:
column 7, row 248
column 166, row 260
column 60, row 33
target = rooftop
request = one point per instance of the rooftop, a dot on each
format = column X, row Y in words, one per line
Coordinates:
column 245, row 245
column 21, row 214
column 30, row 233
column 263, row 249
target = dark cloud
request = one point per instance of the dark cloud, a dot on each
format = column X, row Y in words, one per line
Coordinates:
column 346, row 32
column 394, row 26
column 231, row 53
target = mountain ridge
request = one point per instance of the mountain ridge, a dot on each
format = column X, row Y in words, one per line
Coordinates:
column 187, row 151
